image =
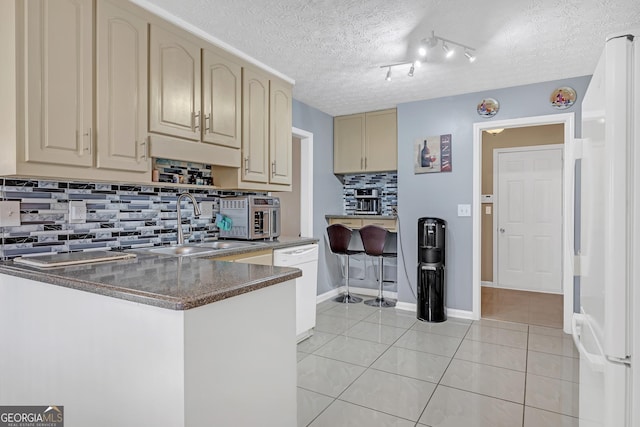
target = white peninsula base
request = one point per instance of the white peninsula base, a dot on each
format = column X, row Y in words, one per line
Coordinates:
column 112, row 362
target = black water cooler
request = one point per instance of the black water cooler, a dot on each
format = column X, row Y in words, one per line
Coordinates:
column 432, row 282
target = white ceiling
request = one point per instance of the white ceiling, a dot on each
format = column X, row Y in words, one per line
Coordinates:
column 333, row 49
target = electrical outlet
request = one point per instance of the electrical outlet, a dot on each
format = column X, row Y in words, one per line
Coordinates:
column 464, row 210
column 9, row 214
column 77, row 211
column 206, row 209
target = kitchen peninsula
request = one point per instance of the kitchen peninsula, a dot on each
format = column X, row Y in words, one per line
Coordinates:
column 154, row 340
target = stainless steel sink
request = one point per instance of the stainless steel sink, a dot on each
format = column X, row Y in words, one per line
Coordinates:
column 181, row 250
column 225, row 245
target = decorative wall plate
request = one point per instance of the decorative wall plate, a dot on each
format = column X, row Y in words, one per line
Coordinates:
column 489, row 107
column 563, row 97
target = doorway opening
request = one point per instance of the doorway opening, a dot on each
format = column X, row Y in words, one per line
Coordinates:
column 488, row 293
column 297, row 204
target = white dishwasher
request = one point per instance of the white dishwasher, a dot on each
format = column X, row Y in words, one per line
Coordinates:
column 306, row 259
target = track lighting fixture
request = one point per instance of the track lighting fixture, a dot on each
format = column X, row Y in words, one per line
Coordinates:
column 469, row 55
column 447, row 52
column 428, row 43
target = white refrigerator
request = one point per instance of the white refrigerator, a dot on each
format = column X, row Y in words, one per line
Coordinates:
column 607, row 329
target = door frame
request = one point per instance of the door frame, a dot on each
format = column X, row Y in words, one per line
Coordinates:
column 568, row 120
column 306, row 180
column 496, row 152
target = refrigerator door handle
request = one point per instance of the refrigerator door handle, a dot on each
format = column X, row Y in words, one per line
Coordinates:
column 619, row 361
column 577, row 323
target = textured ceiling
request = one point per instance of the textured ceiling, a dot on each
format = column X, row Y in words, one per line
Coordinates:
column 333, row 49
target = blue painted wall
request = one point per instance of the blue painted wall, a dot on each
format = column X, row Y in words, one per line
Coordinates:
column 439, row 194
column 327, row 189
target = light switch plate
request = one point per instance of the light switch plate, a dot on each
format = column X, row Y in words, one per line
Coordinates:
column 206, row 209
column 9, row 213
column 77, row 211
column 464, row 210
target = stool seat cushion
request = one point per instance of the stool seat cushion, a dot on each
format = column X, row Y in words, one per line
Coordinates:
column 373, row 239
column 339, row 239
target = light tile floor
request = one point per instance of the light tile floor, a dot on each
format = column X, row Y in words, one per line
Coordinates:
column 371, row 367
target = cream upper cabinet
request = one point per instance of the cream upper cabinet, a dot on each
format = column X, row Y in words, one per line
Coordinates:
column 121, row 83
column 221, row 100
column 255, row 126
column 365, row 142
column 381, row 141
column 348, row 143
column 280, row 143
column 174, row 84
column 58, row 37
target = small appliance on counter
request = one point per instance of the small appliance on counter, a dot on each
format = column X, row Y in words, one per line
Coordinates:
column 431, row 270
column 367, row 201
column 252, row 217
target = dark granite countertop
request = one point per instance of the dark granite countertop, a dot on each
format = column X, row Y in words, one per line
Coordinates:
column 360, row 217
column 176, row 283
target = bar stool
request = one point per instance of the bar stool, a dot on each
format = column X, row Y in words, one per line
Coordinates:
column 373, row 240
column 339, row 238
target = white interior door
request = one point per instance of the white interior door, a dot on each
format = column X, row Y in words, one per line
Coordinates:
column 528, row 190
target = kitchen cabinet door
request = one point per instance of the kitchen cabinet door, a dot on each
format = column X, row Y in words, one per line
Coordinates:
column 174, row 85
column 121, row 82
column 381, row 153
column 280, row 143
column 58, row 38
column 348, row 143
column 222, row 101
column 255, row 126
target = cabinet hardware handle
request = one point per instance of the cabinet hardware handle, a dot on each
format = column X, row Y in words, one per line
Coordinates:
column 207, row 117
column 365, row 162
column 273, row 168
column 361, row 163
column 194, row 127
column 246, row 165
column 143, row 149
column 88, row 147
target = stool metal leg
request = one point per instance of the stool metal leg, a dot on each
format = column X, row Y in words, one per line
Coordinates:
column 380, row 301
column 347, row 298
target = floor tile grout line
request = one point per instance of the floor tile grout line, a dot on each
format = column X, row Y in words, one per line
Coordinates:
column 551, row 412
column 377, row 410
column 526, row 375
column 363, row 372
column 443, row 374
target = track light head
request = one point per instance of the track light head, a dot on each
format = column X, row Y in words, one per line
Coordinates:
column 388, row 78
column 448, row 52
column 471, row 57
column 422, row 50
column 411, row 70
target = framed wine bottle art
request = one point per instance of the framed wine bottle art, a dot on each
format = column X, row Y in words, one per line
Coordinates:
column 433, row 154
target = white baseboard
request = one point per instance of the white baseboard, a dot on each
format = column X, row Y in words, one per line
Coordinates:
column 489, row 284
column 451, row 312
column 407, row 306
column 354, row 290
column 329, row 295
column 460, row 314
column 372, row 292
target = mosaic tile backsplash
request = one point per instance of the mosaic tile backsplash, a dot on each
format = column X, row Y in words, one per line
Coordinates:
column 387, row 183
column 119, row 216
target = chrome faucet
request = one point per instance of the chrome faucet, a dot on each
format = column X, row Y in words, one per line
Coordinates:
column 196, row 212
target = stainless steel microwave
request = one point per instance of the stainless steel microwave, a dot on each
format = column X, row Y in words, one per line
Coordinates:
column 252, row 217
